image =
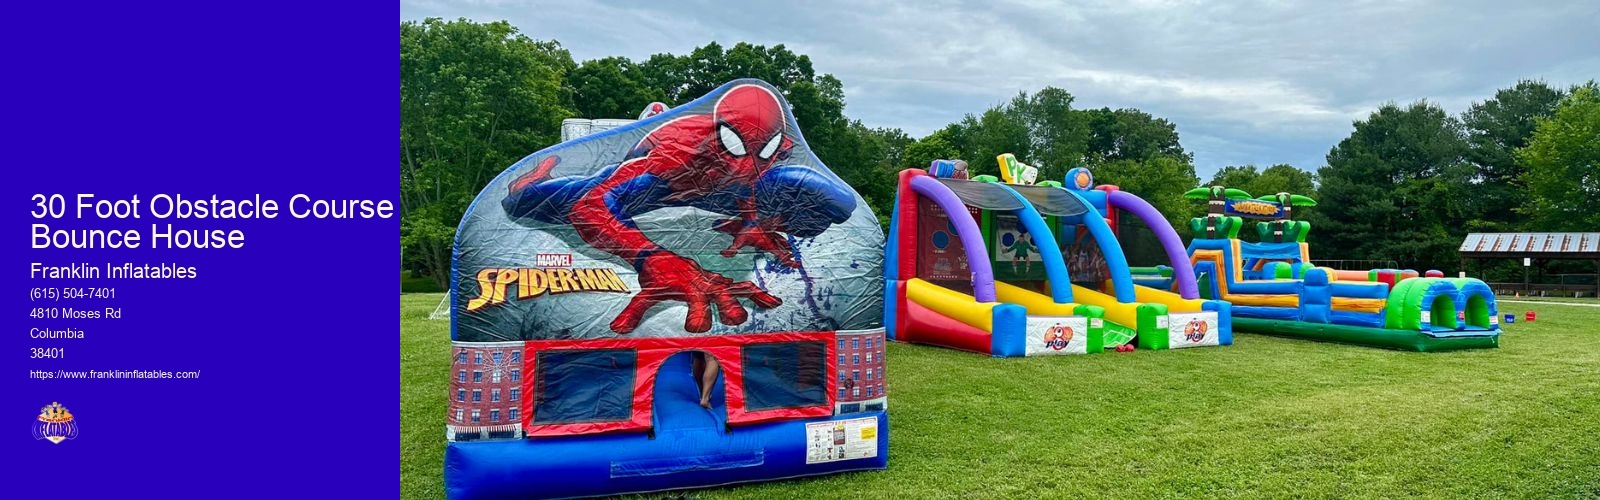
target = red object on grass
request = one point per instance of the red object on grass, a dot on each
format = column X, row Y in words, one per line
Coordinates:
column 1528, row 317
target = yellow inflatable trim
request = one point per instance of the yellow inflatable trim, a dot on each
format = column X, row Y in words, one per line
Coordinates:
column 1036, row 303
column 1290, row 301
column 1175, row 303
column 1359, row 305
column 1116, row 312
column 957, row 305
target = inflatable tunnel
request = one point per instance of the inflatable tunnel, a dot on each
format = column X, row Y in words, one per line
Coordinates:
column 1275, row 289
column 688, row 300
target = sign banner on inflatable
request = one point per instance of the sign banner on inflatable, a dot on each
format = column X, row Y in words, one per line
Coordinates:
column 1049, row 335
column 1192, row 329
column 841, row 440
column 710, row 218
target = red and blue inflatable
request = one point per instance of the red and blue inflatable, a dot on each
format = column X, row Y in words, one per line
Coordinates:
column 597, row 280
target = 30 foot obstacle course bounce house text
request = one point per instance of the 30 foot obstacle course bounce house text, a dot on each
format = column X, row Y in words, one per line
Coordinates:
column 689, row 300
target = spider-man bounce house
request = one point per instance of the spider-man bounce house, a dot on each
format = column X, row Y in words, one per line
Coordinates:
column 595, row 279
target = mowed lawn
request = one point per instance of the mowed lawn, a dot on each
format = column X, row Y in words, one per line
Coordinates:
column 1266, row 417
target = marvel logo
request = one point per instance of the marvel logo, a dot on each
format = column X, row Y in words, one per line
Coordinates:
column 553, row 260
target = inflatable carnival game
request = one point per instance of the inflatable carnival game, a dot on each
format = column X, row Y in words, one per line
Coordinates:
column 1001, row 266
column 1275, row 289
column 1170, row 316
column 688, row 300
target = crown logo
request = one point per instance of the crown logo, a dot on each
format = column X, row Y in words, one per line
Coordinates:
column 55, row 413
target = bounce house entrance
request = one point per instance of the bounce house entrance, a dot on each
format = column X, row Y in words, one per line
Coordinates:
column 677, row 396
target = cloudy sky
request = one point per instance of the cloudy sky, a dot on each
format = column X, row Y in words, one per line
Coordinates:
column 1246, row 83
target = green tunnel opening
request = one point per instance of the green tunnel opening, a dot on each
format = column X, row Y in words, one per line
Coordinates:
column 1443, row 312
column 1477, row 311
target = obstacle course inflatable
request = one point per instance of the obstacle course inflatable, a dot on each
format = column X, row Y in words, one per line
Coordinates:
column 1275, row 289
column 684, row 301
column 1013, row 269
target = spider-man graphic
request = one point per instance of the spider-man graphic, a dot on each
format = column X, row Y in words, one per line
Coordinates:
column 726, row 162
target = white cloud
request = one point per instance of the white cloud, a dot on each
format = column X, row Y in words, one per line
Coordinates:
column 1263, row 82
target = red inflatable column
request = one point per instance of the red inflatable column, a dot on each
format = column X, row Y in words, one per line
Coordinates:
column 906, row 251
column 909, row 220
column 1387, row 277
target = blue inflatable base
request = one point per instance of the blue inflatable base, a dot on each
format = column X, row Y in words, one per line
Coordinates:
column 692, row 448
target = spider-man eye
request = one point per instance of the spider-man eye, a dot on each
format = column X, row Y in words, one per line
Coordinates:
column 730, row 140
column 771, row 147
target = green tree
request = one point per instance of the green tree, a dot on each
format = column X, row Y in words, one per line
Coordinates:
column 612, row 87
column 1393, row 188
column 999, row 130
column 868, row 159
column 819, row 110
column 686, row 77
column 936, row 146
column 474, row 97
column 895, row 142
column 1059, row 134
column 1285, row 178
column 1563, row 165
column 1235, row 176
column 1130, row 134
column 1126, row 147
column 1280, row 178
column 1496, row 129
column 1141, row 154
column 1041, row 129
column 1160, row 180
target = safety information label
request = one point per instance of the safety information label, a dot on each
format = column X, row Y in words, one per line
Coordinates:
column 1057, row 335
column 1192, row 330
column 841, row 440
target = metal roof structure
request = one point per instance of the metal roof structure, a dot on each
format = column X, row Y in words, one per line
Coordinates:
column 1538, row 245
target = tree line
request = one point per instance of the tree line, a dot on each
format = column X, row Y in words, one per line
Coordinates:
column 1412, row 180
column 476, row 97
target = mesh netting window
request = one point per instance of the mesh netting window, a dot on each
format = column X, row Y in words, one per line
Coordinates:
column 785, row 375
column 574, row 386
column 1139, row 242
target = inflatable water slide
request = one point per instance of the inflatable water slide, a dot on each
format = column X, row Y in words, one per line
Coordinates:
column 981, row 265
column 1275, row 289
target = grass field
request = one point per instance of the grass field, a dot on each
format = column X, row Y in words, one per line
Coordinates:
column 1266, row 417
column 1566, row 300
